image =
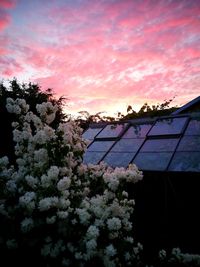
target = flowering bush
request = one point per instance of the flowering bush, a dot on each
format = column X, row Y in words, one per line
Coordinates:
column 57, row 208
column 178, row 259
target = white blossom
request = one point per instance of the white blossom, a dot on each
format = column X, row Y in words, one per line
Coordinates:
column 92, row 232
column 11, row 186
column 110, row 251
column 31, row 181
column 91, row 244
column 64, row 183
column 84, row 216
column 28, row 200
column 4, row 161
column 47, row 203
column 51, row 220
column 27, row 224
column 114, row 224
column 62, row 214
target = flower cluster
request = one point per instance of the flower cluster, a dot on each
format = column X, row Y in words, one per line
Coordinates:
column 178, row 258
column 79, row 214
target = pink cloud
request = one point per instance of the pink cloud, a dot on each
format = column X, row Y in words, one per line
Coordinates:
column 4, row 19
column 9, row 67
column 7, row 3
column 103, row 55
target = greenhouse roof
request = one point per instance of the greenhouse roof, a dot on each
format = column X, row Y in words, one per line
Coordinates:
column 169, row 143
column 188, row 106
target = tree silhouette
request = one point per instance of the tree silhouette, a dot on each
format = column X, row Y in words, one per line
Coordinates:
column 33, row 95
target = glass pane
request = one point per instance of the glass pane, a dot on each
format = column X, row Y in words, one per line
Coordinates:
column 91, row 133
column 119, row 159
column 92, row 157
column 137, row 131
column 127, row 145
column 193, row 127
column 168, row 126
column 185, row 161
column 112, row 130
column 160, row 145
column 189, row 143
column 100, row 146
column 153, row 161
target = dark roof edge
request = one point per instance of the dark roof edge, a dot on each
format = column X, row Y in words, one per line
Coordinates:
column 186, row 106
column 142, row 120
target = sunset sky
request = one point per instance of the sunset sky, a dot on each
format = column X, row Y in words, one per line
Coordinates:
column 104, row 55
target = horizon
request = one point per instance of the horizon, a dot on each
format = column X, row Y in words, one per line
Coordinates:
column 104, row 55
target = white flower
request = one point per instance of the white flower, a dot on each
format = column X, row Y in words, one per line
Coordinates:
column 4, row 161
column 41, row 155
column 62, row 214
column 47, row 203
column 78, row 255
column 65, row 193
column 11, row 186
column 64, row 203
column 51, row 220
column 17, row 135
column 114, row 224
column 127, row 256
column 47, row 111
column 40, row 137
column 31, row 181
column 84, row 216
column 28, row 200
column 64, row 183
column 53, row 173
column 129, row 239
column 110, row 251
column 92, row 232
column 91, row 244
column 46, row 250
column 124, row 194
column 162, row 254
column 27, row 224
column 74, row 221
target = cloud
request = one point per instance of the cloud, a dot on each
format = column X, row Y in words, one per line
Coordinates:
column 7, row 3
column 9, row 67
column 104, row 55
column 4, row 20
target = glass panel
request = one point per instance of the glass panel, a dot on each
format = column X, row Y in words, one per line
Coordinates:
column 119, row 159
column 112, row 130
column 185, row 161
column 153, row 161
column 100, row 146
column 127, row 145
column 160, row 145
column 91, row 133
column 92, row 157
column 189, row 143
column 193, row 127
column 137, row 131
column 168, row 126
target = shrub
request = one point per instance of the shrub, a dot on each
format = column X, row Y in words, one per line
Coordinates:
column 56, row 210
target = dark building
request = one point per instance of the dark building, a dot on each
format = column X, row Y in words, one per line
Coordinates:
column 167, row 150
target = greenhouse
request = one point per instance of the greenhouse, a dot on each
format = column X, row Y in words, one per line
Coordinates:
column 167, row 150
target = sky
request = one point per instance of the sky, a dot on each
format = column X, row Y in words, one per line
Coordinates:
column 104, row 55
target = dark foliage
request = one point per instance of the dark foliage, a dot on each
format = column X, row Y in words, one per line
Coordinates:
column 146, row 110
column 33, row 95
